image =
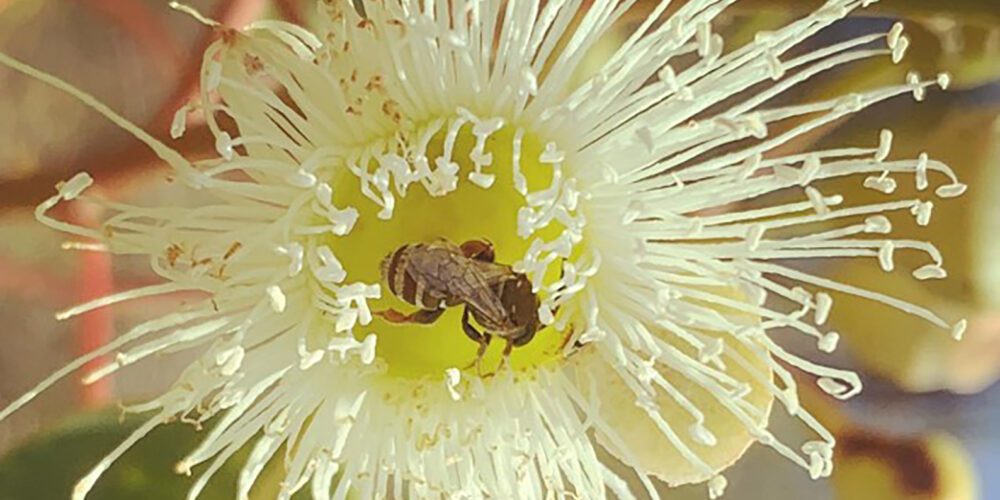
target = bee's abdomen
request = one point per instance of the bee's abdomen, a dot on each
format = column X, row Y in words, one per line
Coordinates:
column 398, row 275
column 394, row 270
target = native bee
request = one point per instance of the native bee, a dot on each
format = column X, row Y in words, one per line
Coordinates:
column 435, row 276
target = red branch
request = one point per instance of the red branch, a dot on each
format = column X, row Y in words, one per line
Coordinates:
column 95, row 328
column 290, row 11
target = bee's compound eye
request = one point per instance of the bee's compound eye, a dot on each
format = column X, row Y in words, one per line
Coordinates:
column 480, row 250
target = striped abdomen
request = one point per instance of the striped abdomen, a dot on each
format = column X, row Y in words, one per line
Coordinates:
column 411, row 274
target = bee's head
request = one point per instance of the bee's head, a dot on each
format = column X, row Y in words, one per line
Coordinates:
column 522, row 304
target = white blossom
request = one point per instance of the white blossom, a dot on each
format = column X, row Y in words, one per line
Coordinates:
column 634, row 200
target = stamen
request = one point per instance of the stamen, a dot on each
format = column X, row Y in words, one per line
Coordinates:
column 179, row 123
column 452, row 378
column 191, row 11
column 277, row 298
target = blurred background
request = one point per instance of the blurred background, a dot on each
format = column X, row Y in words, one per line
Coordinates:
column 926, row 427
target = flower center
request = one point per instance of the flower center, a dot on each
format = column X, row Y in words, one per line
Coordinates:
column 467, row 183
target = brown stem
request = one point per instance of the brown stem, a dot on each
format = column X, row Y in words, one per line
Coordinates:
column 107, row 169
column 150, row 34
column 114, row 168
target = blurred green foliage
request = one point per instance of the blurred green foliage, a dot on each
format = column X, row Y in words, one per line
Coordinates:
column 48, row 466
column 985, row 12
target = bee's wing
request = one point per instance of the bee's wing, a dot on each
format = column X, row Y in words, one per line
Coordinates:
column 477, row 289
column 494, row 274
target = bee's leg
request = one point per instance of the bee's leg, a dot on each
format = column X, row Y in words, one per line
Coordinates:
column 422, row 316
column 481, row 250
column 470, row 330
column 483, row 339
column 506, row 355
column 482, row 352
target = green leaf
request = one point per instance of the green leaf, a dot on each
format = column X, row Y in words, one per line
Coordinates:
column 48, row 466
column 978, row 12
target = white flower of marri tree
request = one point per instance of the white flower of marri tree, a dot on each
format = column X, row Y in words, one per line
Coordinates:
column 587, row 228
